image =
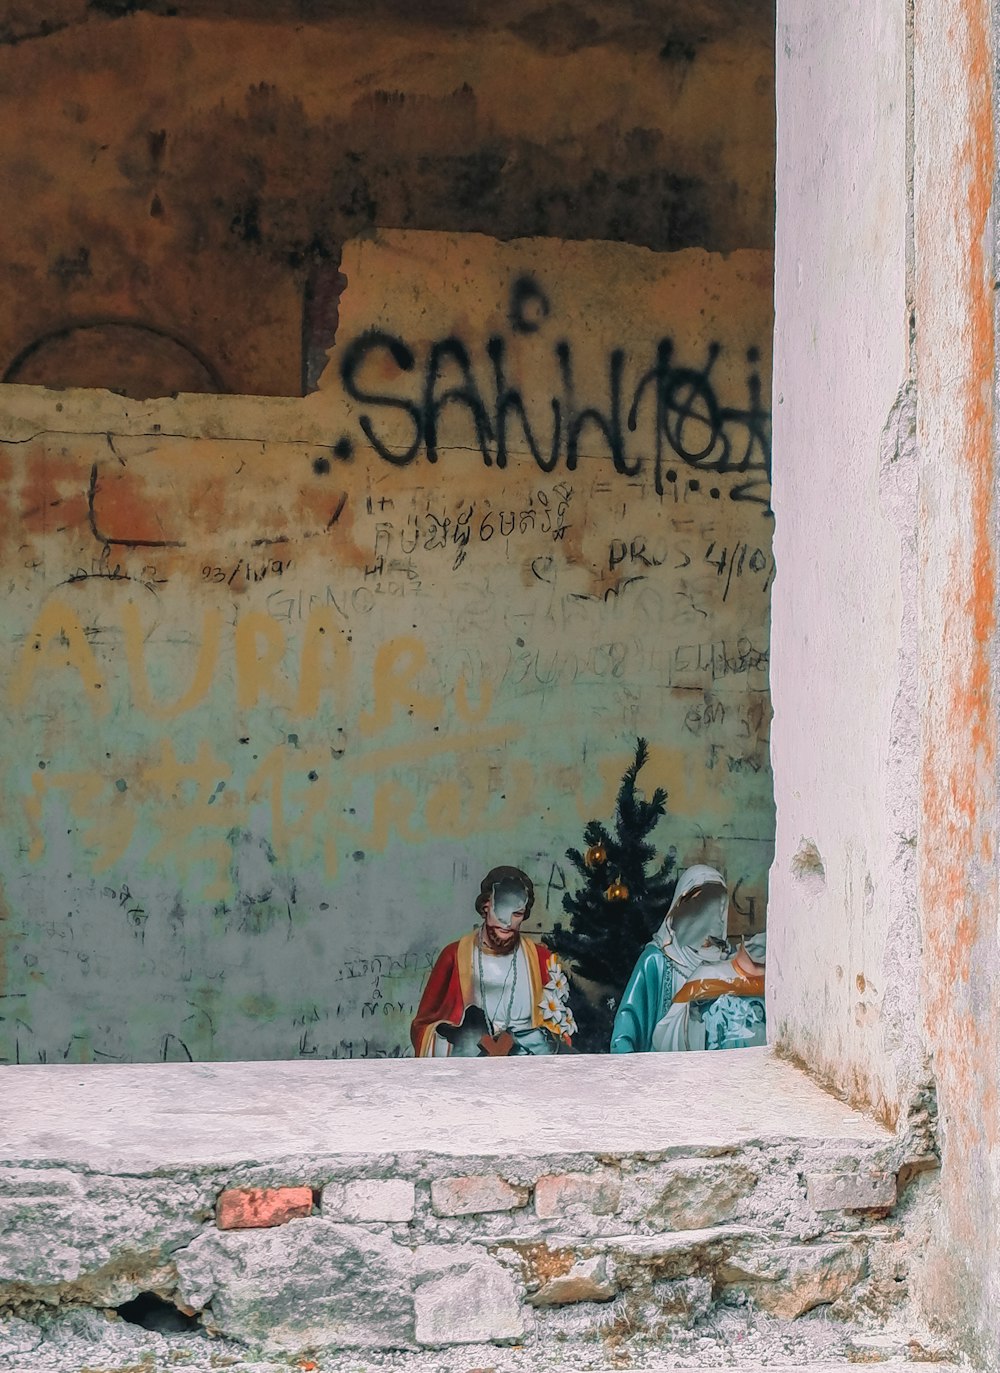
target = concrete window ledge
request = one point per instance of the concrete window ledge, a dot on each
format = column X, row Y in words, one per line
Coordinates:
column 139, row 1118
column 413, row 1204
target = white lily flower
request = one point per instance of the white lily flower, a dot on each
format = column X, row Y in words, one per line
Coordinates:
column 556, row 1015
column 550, row 1006
column 558, row 982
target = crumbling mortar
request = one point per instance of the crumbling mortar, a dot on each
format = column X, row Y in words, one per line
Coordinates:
column 318, row 1171
column 482, row 1228
column 498, row 1232
column 489, row 1226
column 141, row 1272
column 422, row 1209
column 172, row 1172
column 760, row 1155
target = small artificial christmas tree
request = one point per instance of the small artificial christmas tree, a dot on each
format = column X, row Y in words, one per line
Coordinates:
column 618, row 906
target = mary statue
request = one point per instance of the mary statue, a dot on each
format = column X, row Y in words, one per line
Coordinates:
column 688, row 990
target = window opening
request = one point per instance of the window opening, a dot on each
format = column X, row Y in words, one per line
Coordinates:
column 481, row 525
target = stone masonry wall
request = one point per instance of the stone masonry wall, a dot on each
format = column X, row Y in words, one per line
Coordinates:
column 411, row 1252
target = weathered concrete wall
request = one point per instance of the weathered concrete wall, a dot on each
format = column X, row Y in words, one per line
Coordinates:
column 843, row 932
column 887, row 799
column 180, row 183
column 955, row 224
column 285, row 677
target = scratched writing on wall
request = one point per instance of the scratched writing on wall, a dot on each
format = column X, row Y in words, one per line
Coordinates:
column 350, row 788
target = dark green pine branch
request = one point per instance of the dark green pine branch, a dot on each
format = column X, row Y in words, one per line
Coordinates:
column 605, row 937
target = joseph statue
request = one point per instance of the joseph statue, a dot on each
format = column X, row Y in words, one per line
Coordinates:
column 495, row 991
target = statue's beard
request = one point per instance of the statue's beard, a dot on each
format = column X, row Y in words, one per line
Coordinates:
column 499, row 941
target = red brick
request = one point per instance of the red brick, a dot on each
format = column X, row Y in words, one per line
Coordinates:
column 254, row 1208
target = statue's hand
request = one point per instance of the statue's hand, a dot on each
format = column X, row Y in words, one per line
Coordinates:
column 464, row 1039
column 722, row 971
column 746, row 965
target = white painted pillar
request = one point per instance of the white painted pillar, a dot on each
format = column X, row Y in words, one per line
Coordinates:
column 842, row 945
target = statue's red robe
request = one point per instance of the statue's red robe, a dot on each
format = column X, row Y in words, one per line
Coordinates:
column 449, row 989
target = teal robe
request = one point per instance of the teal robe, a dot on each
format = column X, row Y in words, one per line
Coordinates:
column 643, row 1002
column 730, row 1022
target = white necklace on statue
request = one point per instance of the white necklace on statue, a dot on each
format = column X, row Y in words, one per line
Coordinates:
column 513, row 987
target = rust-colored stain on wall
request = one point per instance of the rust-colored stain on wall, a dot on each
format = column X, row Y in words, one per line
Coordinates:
column 958, row 761
column 958, row 872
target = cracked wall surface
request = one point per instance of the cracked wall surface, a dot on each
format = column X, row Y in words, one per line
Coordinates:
column 288, row 676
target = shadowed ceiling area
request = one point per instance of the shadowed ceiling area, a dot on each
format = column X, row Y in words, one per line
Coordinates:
column 190, row 171
column 561, row 24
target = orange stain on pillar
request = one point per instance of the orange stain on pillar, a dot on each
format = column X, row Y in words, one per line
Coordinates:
column 958, row 765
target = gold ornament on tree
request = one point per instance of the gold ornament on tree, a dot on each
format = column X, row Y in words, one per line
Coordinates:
column 595, row 856
column 617, row 891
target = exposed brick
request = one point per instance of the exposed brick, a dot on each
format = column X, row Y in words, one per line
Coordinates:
column 851, row 1191
column 254, row 1208
column 598, row 1193
column 391, row 1200
column 470, row 1196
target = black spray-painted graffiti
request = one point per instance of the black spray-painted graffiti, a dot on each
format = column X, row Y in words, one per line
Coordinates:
column 690, row 424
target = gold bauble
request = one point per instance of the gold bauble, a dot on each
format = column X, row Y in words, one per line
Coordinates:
column 595, row 856
column 617, row 891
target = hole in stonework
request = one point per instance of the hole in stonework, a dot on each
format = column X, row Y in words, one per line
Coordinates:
column 153, row 1313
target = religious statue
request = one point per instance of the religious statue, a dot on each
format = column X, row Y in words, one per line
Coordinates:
column 688, row 989
column 495, row 991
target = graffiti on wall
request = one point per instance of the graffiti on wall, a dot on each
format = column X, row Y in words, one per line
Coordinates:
column 252, row 684
column 672, row 409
